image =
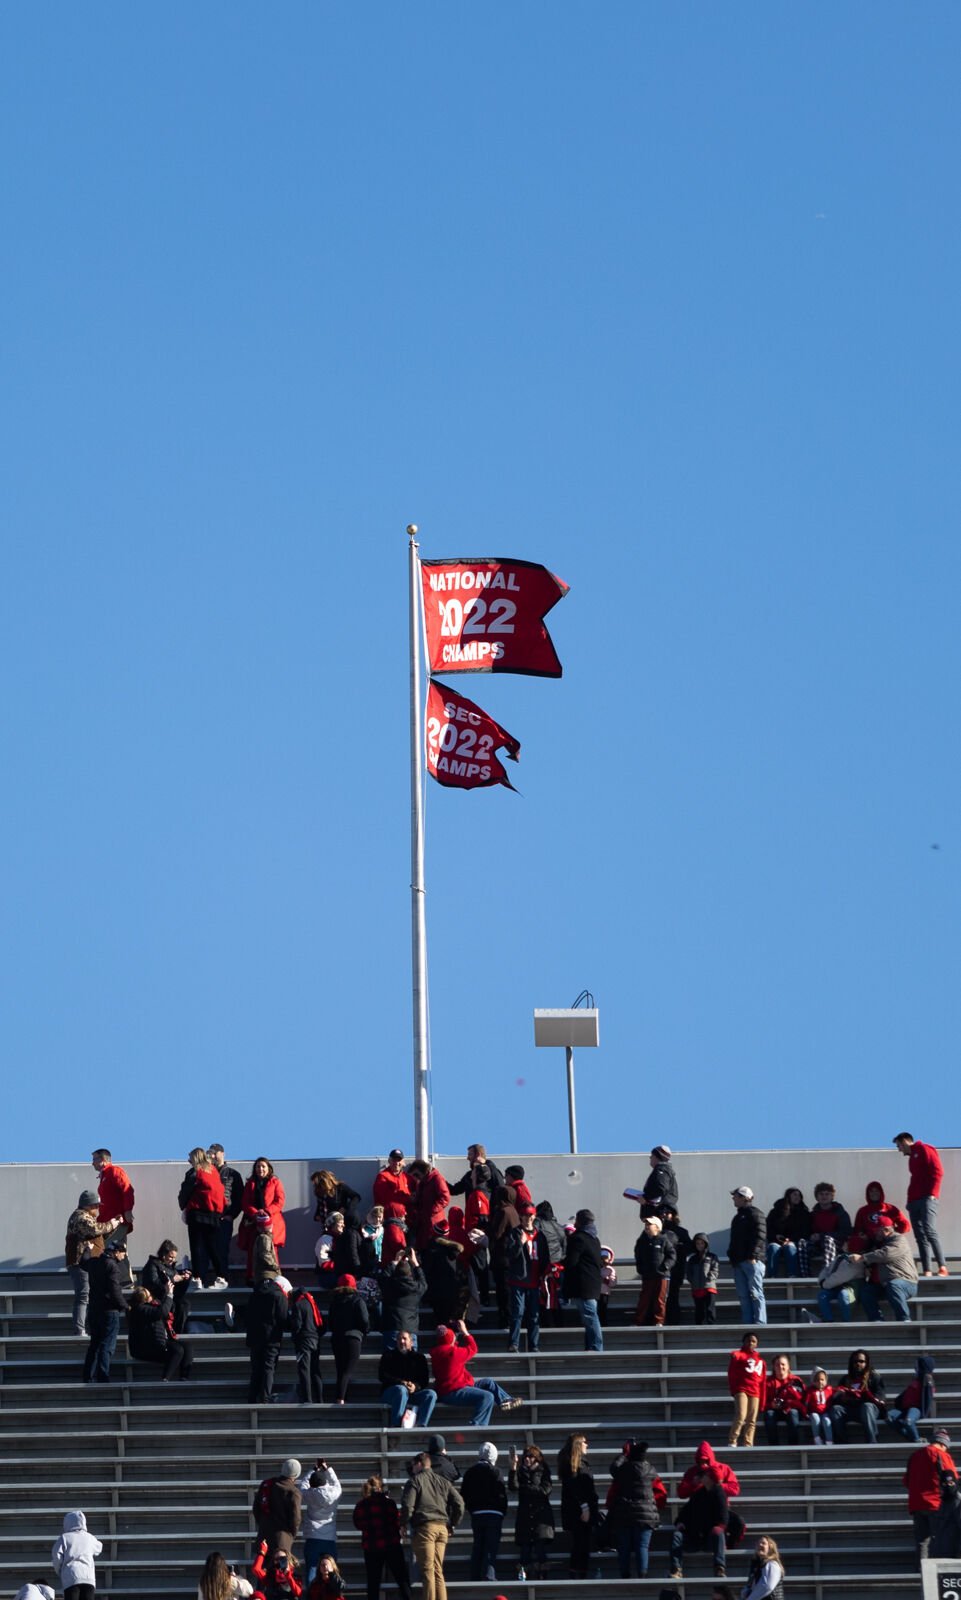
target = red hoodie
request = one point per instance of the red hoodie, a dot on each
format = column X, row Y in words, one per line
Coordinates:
column 116, row 1194
column 746, row 1373
column 926, row 1172
column 706, row 1461
column 395, row 1237
column 868, row 1218
column 207, row 1193
column 921, row 1479
column 449, row 1361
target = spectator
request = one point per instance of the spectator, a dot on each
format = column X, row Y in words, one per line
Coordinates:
column 306, row 1326
column 783, row 1401
column 660, row 1187
column 320, row 1493
column 514, row 1179
column 433, row 1508
column 608, row 1282
column 168, row 1284
column 527, row 1260
column 701, row 1523
column 654, row 1257
column 395, row 1232
column 404, row 1377
column 202, row 1202
column 485, row 1497
column 481, row 1174
column 263, row 1257
column 35, row 1591
column 378, row 1518
column 924, row 1188
column 788, row 1222
column 267, row 1316
column 890, row 1272
column 702, row 1272
column 922, row 1479
column 115, row 1193
column 504, row 1218
column 277, row 1508
column 348, row 1321
column 85, row 1238
column 817, row 1403
column 746, row 1252
column 276, row 1574
column 578, row 1501
column 858, row 1397
column 233, row 1185
column 746, row 1378
column 73, row 1557
column 915, row 1402
column 345, row 1247
column 429, row 1200
column 534, row 1524
column 402, row 1288
column 109, row 1275
column 151, row 1338
column 582, row 1277
column 706, row 1468
column 830, row 1228
column 263, row 1196
column 836, row 1286
column 372, row 1238
column 218, row 1581
column 946, row 1538
column 331, row 1195
column 634, row 1507
column 391, row 1185
column 446, row 1281
column 328, row 1583
column 765, row 1579
column 438, row 1458
column 683, row 1244
column 868, row 1218
column 548, row 1225
column 455, row 1385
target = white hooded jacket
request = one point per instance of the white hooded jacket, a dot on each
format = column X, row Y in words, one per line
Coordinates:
column 72, row 1555
column 34, row 1591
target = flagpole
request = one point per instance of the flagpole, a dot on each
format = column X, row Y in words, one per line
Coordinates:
column 417, row 889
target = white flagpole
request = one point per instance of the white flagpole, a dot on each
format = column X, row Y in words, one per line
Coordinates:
column 417, row 889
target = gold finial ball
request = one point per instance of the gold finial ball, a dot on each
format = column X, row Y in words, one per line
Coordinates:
column 412, row 529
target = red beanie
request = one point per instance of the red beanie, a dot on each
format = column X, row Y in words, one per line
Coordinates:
column 445, row 1335
column 346, row 1281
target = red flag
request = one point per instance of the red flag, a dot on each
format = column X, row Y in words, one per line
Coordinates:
column 488, row 616
column 461, row 741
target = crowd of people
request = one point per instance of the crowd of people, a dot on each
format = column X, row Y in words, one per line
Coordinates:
column 414, row 1246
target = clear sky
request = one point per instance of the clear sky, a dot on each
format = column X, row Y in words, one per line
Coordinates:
column 665, row 297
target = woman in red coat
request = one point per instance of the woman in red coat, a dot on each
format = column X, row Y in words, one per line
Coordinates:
column 263, row 1192
column 202, row 1203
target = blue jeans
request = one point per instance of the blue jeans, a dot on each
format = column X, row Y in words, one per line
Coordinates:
column 829, row 1298
column 313, row 1550
column 715, row 1540
column 924, row 1221
column 864, row 1412
column 81, row 1297
column 821, row 1427
column 789, row 1252
column 422, row 1401
column 790, row 1418
column 480, row 1398
column 389, row 1337
column 749, row 1283
column 899, row 1293
column 487, row 1527
column 636, row 1542
column 593, row 1337
column 103, row 1343
column 525, row 1305
column 906, row 1422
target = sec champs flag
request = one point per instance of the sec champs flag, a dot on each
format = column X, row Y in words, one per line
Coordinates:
column 461, row 740
column 488, row 616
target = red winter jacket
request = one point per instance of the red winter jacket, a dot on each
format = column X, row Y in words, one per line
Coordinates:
column 207, row 1193
column 746, row 1373
column 116, row 1194
column 816, row 1401
column 449, row 1362
column 391, row 1188
column 269, row 1584
column 785, row 1394
column 924, row 1165
column 428, row 1205
column 870, row 1215
column 477, row 1209
column 274, row 1202
column 921, row 1479
column 395, row 1232
column 705, row 1461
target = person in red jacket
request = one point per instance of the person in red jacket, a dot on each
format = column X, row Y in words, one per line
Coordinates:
column 276, row 1575
column 868, row 1219
column 923, row 1483
column 817, row 1400
column 746, row 1377
column 202, row 1203
column 263, row 1192
column 455, row 1385
column 706, row 1471
column 783, row 1401
column 115, row 1193
column 924, row 1188
column 395, row 1232
column 392, row 1185
column 428, row 1203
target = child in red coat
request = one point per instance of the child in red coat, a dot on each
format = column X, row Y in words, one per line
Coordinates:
column 817, row 1399
column 746, row 1377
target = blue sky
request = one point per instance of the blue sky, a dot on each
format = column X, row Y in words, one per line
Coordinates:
column 664, row 299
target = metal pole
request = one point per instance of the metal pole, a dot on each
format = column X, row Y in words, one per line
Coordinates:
column 417, row 890
column 571, row 1112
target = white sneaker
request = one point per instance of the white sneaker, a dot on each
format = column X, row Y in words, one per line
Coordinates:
column 228, row 1313
column 408, row 1419
column 219, row 1283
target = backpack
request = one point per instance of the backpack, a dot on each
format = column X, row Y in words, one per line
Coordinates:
column 264, row 1500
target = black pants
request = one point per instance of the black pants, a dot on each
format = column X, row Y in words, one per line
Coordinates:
column 392, row 1557
column 347, row 1348
column 704, row 1308
column 80, row 1591
column 263, row 1365
column 206, row 1261
column 580, row 1537
column 179, row 1360
column 310, row 1389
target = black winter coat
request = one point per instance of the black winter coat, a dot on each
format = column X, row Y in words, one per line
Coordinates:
column 107, row 1283
column 582, row 1267
column 345, row 1253
column 577, row 1491
column 482, row 1175
column 632, row 1504
column 347, row 1314
column 661, row 1186
column 158, row 1280
column 400, row 1296
column 655, row 1257
column 534, row 1509
column 748, row 1241
column 266, row 1315
column 304, row 1328
column 555, row 1236
column 148, row 1336
column 483, row 1489
column 403, row 1366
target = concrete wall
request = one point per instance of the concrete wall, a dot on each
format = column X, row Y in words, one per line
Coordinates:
column 38, row 1199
